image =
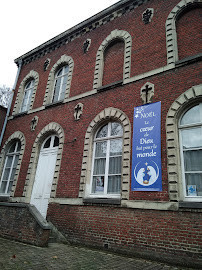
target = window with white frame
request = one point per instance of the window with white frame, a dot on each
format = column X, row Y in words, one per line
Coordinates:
column 28, row 91
column 60, row 83
column 107, row 161
column 11, row 162
column 190, row 126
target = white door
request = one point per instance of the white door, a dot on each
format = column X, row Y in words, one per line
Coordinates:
column 44, row 174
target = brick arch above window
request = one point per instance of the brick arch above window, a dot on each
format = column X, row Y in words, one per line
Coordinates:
column 99, row 65
column 64, row 60
column 171, row 34
column 190, row 97
column 50, row 129
column 18, row 135
column 32, row 75
column 108, row 114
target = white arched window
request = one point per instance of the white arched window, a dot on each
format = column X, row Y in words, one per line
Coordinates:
column 28, row 91
column 11, row 162
column 190, row 126
column 107, row 161
column 60, row 83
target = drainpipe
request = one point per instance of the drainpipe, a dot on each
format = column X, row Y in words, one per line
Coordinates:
column 9, row 106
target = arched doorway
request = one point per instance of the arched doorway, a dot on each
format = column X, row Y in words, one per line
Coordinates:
column 44, row 174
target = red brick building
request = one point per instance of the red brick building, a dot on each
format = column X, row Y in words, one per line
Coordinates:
column 67, row 148
column 2, row 116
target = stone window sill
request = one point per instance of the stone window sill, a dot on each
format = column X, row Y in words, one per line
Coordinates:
column 190, row 205
column 105, row 201
column 190, row 59
column 4, row 198
column 20, row 114
column 54, row 104
column 110, row 86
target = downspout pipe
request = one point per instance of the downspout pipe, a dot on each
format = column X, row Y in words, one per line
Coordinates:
column 9, row 106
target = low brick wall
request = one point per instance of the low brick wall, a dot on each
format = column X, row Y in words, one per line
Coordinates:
column 23, row 223
column 170, row 236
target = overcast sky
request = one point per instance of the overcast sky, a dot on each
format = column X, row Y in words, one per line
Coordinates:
column 26, row 24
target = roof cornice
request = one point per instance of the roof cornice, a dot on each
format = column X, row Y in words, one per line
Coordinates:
column 101, row 18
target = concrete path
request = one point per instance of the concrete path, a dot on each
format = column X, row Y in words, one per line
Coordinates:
column 18, row 256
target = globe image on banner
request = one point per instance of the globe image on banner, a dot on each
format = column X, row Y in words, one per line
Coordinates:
column 146, row 173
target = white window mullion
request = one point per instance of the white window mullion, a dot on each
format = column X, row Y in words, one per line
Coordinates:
column 11, row 169
column 28, row 99
column 92, row 169
column 190, row 126
column 107, row 167
column 6, row 159
column 60, row 91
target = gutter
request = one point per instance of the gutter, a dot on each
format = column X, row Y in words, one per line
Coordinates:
column 9, row 106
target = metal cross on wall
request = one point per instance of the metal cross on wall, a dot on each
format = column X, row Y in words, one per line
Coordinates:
column 78, row 110
column 147, row 15
column 34, row 123
column 147, row 92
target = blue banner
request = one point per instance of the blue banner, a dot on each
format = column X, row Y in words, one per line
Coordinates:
column 146, row 157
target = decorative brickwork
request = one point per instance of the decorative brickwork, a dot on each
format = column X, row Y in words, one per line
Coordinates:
column 64, row 60
column 19, row 99
column 189, row 97
column 52, row 128
column 99, row 65
column 109, row 114
column 18, row 135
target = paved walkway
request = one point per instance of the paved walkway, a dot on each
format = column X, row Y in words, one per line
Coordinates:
column 18, row 256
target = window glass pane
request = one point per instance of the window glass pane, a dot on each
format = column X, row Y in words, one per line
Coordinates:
column 12, row 148
column 98, row 184
column 28, row 85
column 56, row 141
column 18, row 147
column 10, row 186
column 193, row 184
column 26, row 95
column 29, row 97
column 114, row 184
column 99, row 166
column 57, row 89
column 116, row 129
column 116, row 147
column 101, row 149
column 102, row 132
column 13, row 174
column 66, row 69
column 193, row 160
column 9, row 161
column 64, row 82
column 192, row 138
column 47, row 143
column 6, row 174
column 59, row 72
column 3, row 186
column 115, row 165
column 191, row 116
column 62, row 95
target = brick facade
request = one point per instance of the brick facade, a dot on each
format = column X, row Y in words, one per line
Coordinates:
column 2, row 116
column 124, row 54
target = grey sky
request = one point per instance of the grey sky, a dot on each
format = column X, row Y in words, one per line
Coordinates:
column 27, row 24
